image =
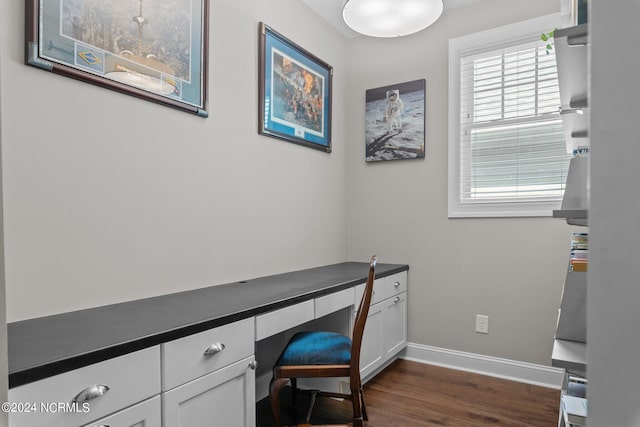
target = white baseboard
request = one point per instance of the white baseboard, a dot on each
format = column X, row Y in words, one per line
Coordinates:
column 524, row 372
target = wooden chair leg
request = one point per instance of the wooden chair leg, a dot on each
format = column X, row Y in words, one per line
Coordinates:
column 274, row 397
column 294, row 392
column 356, row 401
column 364, row 406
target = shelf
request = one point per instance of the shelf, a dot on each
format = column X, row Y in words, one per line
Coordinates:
column 571, row 213
column 571, row 56
column 572, row 318
column 570, row 355
column 575, row 203
column 573, row 216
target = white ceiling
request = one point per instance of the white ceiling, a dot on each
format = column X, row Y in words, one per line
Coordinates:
column 331, row 11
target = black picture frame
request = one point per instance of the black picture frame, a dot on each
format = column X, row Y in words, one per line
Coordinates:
column 157, row 51
column 395, row 121
column 295, row 91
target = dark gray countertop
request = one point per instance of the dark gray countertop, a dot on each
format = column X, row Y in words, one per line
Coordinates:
column 47, row 346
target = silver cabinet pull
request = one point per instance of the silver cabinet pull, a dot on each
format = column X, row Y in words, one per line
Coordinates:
column 397, row 284
column 214, row 349
column 91, row 393
column 253, row 365
column 396, row 299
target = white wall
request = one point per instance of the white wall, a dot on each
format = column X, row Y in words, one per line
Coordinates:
column 613, row 293
column 109, row 198
column 510, row 269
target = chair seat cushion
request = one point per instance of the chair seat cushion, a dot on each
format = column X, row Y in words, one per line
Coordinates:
column 316, row 348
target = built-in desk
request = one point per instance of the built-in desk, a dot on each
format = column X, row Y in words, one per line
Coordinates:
column 145, row 331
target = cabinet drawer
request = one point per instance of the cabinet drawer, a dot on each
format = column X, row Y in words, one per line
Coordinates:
column 145, row 414
column 395, row 284
column 385, row 288
column 333, row 302
column 130, row 379
column 184, row 359
column 376, row 296
column 271, row 323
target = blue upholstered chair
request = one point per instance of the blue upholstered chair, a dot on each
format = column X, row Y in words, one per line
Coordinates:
column 315, row 354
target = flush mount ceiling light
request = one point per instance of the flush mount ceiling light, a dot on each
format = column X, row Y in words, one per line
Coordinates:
column 390, row 18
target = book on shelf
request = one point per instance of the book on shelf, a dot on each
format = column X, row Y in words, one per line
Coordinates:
column 579, row 260
column 579, row 264
column 576, row 387
column 575, row 409
column 580, row 241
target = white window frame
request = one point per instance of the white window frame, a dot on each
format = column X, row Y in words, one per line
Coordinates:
column 497, row 38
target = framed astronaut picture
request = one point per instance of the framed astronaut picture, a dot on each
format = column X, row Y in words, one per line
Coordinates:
column 153, row 50
column 395, row 122
column 294, row 92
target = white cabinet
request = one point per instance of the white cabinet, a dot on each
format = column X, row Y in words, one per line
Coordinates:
column 225, row 397
column 145, row 414
column 209, row 378
column 89, row 393
column 395, row 322
column 385, row 333
column 372, row 351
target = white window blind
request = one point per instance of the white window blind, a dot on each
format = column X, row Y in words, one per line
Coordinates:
column 510, row 154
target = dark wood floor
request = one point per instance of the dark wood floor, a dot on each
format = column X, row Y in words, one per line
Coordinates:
column 410, row 394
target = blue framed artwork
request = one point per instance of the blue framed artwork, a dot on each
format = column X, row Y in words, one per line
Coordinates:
column 156, row 51
column 294, row 92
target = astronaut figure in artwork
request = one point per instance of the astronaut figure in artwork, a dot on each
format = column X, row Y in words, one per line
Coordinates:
column 393, row 110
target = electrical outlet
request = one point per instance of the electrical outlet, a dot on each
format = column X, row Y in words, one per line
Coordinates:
column 482, row 324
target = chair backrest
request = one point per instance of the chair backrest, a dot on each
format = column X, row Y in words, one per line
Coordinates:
column 361, row 318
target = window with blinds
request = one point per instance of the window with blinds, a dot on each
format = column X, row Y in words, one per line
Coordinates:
column 510, row 158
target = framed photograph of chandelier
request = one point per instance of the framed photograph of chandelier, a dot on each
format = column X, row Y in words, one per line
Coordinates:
column 153, row 50
column 294, row 92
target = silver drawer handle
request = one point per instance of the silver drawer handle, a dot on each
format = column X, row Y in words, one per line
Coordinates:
column 396, row 299
column 397, row 284
column 91, row 393
column 253, row 365
column 214, row 349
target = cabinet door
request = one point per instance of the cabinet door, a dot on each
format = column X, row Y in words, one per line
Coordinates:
column 225, row 397
column 371, row 352
column 395, row 324
column 145, row 414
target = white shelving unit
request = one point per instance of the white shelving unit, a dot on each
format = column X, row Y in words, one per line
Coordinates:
column 569, row 349
column 571, row 56
column 575, row 204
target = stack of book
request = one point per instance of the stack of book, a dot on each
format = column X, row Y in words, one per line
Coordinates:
column 574, row 402
column 579, row 260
